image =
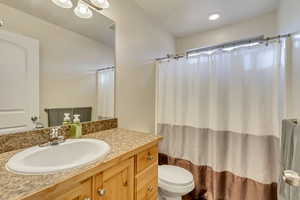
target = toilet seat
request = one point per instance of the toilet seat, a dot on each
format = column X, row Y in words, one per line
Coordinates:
column 175, row 179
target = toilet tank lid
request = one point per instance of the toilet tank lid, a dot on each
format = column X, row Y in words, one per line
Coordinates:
column 174, row 175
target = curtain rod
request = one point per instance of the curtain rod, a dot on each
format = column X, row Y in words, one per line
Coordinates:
column 228, row 44
column 169, row 56
column 260, row 38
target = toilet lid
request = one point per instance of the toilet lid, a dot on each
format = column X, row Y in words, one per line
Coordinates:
column 174, row 175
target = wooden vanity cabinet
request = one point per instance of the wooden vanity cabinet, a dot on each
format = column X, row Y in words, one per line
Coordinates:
column 130, row 177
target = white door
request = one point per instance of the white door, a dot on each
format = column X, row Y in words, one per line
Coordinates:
column 19, row 77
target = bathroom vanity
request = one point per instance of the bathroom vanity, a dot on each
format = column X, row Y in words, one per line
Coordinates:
column 128, row 172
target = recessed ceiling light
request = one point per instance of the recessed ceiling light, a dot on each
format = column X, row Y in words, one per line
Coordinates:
column 214, row 16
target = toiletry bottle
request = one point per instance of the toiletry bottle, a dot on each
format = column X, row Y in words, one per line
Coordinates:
column 67, row 119
column 77, row 126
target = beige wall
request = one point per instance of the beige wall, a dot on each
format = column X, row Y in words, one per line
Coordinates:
column 138, row 42
column 289, row 16
column 68, row 61
column 265, row 24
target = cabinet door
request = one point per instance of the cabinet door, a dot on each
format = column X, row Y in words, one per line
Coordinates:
column 83, row 191
column 116, row 183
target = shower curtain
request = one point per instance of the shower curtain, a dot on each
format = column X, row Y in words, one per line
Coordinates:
column 220, row 116
column 105, row 94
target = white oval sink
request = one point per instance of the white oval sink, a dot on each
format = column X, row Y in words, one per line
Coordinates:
column 50, row 159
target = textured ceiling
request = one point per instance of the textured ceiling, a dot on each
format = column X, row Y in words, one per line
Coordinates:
column 186, row 17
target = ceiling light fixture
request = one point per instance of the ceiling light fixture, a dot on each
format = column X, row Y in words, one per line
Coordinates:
column 84, row 7
column 101, row 3
column 214, row 16
column 83, row 11
column 63, row 3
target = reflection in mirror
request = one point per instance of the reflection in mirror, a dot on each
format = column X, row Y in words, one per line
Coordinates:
column 105, row 93
column 54, row 62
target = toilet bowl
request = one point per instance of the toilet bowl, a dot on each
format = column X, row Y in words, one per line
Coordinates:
column 174, row 182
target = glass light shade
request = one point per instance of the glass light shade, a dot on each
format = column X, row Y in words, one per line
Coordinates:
column 101, row 3
column 63, row 3
column 214, row 16
column 83, row 11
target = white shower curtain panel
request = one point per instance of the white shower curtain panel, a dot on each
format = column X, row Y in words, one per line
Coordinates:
column 105, row 94
column 223, row 110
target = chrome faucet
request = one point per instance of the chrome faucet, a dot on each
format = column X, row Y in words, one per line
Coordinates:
column 54, row 137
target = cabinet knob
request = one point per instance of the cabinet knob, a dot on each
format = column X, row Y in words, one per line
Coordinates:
column 101, row 192
column 149, row 157
column 87, row 198
column 150, row 188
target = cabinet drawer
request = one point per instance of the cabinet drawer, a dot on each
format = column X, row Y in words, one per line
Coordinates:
column 146, row 184
column 146, row 158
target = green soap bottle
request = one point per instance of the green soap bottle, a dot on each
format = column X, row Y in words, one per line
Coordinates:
column 76, row 127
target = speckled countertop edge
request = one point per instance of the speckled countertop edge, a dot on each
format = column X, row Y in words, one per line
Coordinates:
column 17, row 187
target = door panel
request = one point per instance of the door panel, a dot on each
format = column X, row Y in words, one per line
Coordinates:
column 19, row 66
column 117, row 182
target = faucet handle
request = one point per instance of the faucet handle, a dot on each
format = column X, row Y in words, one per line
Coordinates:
column 54, row 132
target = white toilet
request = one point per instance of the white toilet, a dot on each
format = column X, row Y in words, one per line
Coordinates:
column 174, row 182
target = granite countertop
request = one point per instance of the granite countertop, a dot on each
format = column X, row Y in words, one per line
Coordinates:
column 16, row 187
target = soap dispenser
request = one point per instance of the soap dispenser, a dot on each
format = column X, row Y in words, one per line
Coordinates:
column 67, row 119
column 76, row 127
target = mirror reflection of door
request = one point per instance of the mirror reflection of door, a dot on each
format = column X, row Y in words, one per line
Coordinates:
column 105, row 93
column 19, row 77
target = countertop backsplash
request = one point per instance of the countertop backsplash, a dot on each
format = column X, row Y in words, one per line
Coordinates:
column 15, row 141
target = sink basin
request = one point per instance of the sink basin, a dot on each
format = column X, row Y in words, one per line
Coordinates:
column 51, row 159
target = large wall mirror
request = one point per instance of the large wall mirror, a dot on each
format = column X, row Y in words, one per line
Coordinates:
column 53, row 62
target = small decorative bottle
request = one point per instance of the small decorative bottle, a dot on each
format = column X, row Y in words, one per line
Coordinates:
column 76, row 127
